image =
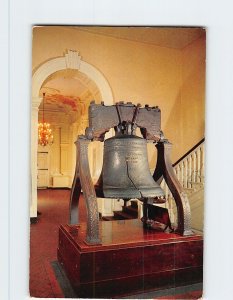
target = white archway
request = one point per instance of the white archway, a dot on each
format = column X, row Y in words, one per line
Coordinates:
column 71, row 60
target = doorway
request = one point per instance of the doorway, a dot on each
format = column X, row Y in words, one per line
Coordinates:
column 70, row 65
column 42, row 170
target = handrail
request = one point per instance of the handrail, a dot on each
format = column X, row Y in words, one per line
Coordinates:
column 188, row 152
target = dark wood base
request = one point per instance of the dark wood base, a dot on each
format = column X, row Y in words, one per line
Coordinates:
column 33, row 220
column 129, row 260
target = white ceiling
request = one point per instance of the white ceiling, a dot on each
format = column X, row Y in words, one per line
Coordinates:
column 171, row 37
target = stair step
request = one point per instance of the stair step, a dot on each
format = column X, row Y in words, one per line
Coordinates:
column 128, row 212
column 131, row 210
column 134, row 204
column 105, row 218
column 122, row 215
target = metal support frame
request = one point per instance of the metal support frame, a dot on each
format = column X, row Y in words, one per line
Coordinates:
column 82, row 179
column 165, row 170
column 101, row 119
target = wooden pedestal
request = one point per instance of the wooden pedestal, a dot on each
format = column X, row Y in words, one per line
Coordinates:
column 129, row 260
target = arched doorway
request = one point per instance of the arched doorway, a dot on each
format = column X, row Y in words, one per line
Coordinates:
column 72, row 61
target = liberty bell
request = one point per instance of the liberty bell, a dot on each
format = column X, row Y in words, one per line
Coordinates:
column 126, row 172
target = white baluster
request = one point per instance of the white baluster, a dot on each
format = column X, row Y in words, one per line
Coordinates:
column 182, row 173
column 194, row 178
column 170, row 209
column 186, row 173
column 166, row 192
column 178, row 172
column 190, row 159
column 161, row 184
column 198, row 164
column 189, row 170
column 202, row 170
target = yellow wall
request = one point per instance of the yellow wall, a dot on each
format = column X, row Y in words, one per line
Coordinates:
column 139, row 72
column 193, row 94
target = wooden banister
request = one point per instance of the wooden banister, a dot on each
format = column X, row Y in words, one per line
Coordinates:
column 188, row 152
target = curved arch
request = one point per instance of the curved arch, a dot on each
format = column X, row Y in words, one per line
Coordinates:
column 71, row 60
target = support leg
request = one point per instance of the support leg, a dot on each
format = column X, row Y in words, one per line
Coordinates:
column 164, row 168
column 75, row 192
column 88, row 193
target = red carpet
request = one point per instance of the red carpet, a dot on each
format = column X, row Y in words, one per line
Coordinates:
column 53, row 206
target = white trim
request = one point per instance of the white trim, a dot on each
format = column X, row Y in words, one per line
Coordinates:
column 71, row 60
column 60, row 63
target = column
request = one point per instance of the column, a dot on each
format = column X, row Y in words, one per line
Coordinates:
column 34, row 146
column 73, row 138
column 55, row 167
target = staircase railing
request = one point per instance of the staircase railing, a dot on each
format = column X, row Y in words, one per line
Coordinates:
column 189, row 170
column 190, row 167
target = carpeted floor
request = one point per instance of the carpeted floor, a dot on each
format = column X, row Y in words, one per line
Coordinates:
column 47, row 278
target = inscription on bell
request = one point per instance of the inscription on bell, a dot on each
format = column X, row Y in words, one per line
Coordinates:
column 133, row 158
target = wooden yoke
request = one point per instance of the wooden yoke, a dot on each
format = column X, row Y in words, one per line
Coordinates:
column 165, row 170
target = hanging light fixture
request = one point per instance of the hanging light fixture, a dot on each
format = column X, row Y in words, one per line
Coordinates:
column 45, row 136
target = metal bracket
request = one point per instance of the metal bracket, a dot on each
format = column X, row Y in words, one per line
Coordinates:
column 165, row 170
column 83, row 179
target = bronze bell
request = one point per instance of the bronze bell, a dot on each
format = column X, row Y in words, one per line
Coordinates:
column 126, row 173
